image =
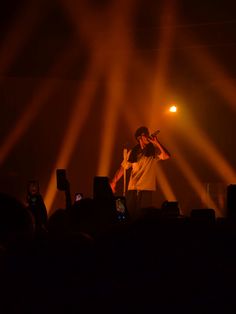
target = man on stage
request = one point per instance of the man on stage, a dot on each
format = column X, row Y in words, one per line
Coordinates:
column 142, row 182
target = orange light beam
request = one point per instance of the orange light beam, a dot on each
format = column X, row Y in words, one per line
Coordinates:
column 210, row 68
column 132, row 120
column 93, row 35
column 76, row 122
column 35, row 105
column 116, row 70
column 165, row 185
column 210, row 153
column 113, row 101
column 193, row 179
column 158, row 84
column 166, row 39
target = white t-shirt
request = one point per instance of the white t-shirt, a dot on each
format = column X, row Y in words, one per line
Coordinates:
column 143, row 173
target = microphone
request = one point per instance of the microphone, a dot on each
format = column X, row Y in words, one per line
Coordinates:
column 154, row 134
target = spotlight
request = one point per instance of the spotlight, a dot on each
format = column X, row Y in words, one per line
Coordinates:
column 173, row 108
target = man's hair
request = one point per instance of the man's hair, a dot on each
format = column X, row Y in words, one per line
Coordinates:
column 140, row 131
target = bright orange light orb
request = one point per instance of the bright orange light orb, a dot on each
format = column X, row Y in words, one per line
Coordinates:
column 173, row 108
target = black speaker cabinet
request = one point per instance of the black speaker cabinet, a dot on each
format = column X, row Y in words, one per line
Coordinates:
column 231, row 201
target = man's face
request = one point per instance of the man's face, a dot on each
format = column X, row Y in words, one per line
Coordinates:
column 143, row 139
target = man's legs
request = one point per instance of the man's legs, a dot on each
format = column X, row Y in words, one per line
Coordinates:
column 136, row 201
column 145, row 199
column 131, row 203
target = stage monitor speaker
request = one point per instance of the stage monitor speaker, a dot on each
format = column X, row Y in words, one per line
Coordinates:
column 203, row 215
column 231, row 201
column 170, row 209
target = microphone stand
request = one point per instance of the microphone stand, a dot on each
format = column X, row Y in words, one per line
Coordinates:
column 124, row 176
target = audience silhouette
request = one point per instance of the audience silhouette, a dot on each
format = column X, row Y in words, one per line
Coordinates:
column 88, row 260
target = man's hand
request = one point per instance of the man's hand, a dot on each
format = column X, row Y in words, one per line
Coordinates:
column 153, row 140
column 164, row 152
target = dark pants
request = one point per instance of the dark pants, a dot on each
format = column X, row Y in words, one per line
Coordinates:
column 137, row 201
